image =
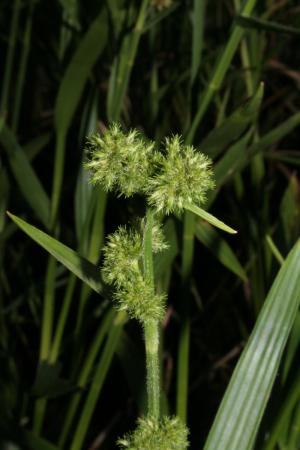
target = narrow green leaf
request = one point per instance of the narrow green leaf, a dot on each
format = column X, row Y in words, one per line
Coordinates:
column 28, row 182
column 198, row 19
column 210, row 218
column 243, row 405
column 220, row 248
column 266, row 25
column 97, row 383
column 69, row 94
column 220, row 70
column 233, row 126
column 78, row 71
column 81, row 267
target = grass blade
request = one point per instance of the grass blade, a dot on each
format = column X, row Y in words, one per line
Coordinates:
column 28, row 182
column 210, row 218
column 233, row 126
column 99, row 377
column 81, row 267
column 220, row 248
column 220, row 71
column 240, row 413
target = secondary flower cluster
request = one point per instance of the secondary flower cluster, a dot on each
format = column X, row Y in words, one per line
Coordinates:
column 122, row 268
column 171, row 178
column 168, row 434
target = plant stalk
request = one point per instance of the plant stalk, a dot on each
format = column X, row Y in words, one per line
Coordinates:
column 151, row 329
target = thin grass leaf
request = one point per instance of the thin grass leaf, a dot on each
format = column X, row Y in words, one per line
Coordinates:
column 81, row 267
column 4, row 192
column 157, row 18
column 69, row 94
column 233, row 126
column 36, row 145
column 98, row 380
column 266, row 25
column 12, row 40
column 220, row 248
column 29, row 184
column 22, row 67
column 84, row 375
column 243, row 405
column 198, row 19
column 220, row 70
column 210, row 218
column 285, row 414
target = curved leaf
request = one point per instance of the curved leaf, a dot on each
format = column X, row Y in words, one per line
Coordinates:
column 243, row 405
column 81, row 267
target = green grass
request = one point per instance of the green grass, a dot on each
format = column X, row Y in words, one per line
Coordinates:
column 195, row 69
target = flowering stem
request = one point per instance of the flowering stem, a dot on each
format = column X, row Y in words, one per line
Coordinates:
column 151, row 328
column 152, row 368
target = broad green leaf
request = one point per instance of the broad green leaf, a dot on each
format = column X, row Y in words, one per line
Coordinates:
column 29, row 184
column 233, row 126
column 81, row 267
column 210, row 218
column 246, row 397
column 266, row 25
column 220, row 248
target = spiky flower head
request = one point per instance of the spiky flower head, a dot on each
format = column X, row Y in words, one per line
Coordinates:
column 140, row 302
column 119, row 161
column 183, row 177
column 121, row 257
column 168, row 434
column 122, row 267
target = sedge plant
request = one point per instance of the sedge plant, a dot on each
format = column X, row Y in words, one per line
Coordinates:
column 172, row 179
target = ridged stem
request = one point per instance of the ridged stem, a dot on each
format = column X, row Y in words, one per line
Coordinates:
column 152, row 368
column 151, row 329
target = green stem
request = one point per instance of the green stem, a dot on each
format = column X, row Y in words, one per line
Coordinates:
column 152, row 366
column 22, row 68
column 151, row 329
column 13, row 35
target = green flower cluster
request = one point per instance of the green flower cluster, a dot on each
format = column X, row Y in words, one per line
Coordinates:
column 182, row 177
column 122, row 267
column 168, row 434
column 171, row 179
column 119, row 161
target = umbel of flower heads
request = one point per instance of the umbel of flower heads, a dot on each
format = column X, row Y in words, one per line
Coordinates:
column 172, row 179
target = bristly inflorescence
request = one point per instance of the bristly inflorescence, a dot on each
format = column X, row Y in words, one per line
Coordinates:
column 122, row 267
column 182, row 177
column 168, row 434
column 119, row 161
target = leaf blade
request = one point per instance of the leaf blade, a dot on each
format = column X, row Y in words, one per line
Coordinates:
column 241, row 410
column 81, row 267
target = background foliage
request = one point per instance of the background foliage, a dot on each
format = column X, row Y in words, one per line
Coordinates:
column 71, row 374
